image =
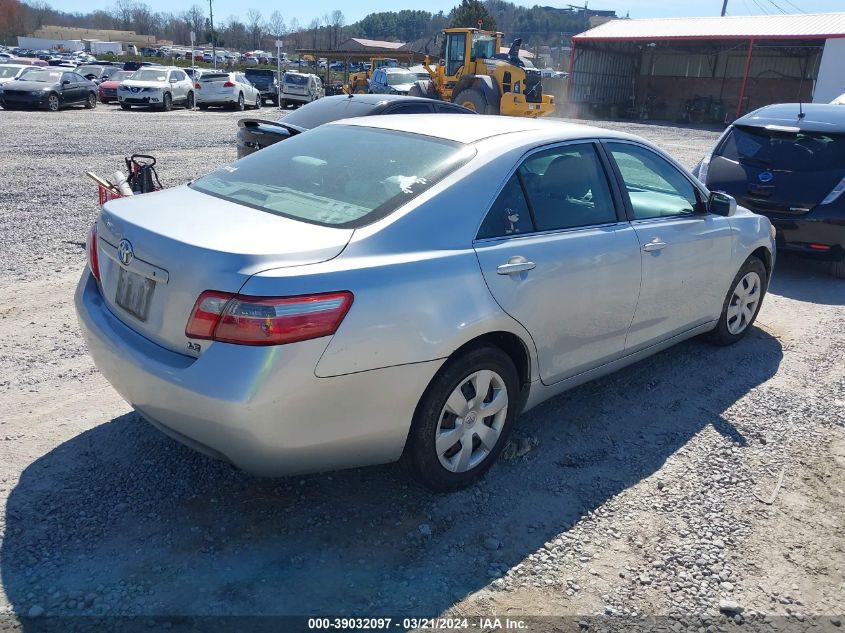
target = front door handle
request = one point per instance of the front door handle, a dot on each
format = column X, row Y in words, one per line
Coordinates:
column 654, row 245
column 515, row 265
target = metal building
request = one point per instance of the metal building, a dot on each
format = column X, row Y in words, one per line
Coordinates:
column 710, row 69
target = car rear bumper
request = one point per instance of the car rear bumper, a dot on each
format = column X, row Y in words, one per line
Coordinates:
column 296, row 98
column 812, row 235
column 217, row 99
column 260, row 408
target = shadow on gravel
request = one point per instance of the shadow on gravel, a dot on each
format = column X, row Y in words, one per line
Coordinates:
column 122, row 520
column 806, row 280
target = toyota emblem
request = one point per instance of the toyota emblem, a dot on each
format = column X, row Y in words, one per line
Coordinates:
column 125, row 253
column 765, row 176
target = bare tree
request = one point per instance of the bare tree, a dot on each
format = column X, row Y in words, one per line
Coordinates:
column 296, row 32
column 123, row 13
column 144, row 21
column 314, row 27
column 276, row 24
column 255, row 25
column 195, row 19
column 336, row 22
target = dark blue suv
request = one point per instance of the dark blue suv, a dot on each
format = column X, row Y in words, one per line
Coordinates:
column 787, row 162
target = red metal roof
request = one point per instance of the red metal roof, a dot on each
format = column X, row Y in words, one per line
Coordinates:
column 770, row 27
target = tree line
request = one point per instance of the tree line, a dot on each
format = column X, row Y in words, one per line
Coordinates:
column 536, row 25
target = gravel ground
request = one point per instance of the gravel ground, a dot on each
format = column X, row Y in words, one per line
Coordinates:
column 644, row 493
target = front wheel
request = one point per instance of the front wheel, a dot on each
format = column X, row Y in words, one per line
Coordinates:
column 167, row 102
column 258, row 102
column 125, row 106
column 474, row 99
column 742, row 303
column 462, row 420
column 837, row 269
column 53, row 102
column 91, row 103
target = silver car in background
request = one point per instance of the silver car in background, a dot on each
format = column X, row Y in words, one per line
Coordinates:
column 303, row 309
column 226, row 89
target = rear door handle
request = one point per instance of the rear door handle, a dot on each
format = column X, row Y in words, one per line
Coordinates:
column 654, row 245
column 513, row 267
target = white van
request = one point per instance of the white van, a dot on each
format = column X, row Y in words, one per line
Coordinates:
column 301, row 88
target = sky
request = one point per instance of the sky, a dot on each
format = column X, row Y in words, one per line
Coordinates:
column 355, row 10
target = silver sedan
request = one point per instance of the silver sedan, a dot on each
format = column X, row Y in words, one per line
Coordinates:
column 402, row 287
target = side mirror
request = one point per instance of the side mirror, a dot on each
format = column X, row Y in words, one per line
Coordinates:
column 66, row 82
column 720, row 203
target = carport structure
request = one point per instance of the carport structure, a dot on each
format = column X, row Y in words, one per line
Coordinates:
column 710, row 69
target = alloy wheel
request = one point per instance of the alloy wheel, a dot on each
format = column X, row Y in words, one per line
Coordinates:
column 471, row 421
column 743, row 304
column 53, row 103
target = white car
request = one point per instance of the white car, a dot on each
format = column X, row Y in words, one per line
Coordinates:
column 157, row 86
column 301, row 88
column 840, row 100
column 232, row 89
column 10, row 72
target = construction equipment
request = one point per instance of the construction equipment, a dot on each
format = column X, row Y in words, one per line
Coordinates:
column 359, row 83
column 476, row 75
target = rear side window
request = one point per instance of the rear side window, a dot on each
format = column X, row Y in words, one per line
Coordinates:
column 780, row 149
column 509, row 215
column 319, row 177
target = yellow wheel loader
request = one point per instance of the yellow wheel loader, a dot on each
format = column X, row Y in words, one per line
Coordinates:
column 359, row 83
column 476, row 75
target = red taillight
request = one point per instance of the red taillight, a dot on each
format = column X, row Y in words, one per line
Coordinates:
column 229, row 84
column 93, row 258
column 246, row 320
column 820, row 247
column 197, row 86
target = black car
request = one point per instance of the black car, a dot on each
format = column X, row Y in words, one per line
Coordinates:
column 787, row 162
column 266, row 81
column 256, row 134
column 50, row 88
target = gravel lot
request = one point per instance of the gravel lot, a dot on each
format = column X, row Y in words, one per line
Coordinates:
column 644, row 493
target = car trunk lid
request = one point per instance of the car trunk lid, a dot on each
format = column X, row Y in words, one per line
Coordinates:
column 183, row 242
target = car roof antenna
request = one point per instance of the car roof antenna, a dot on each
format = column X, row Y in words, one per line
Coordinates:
column 801, row 113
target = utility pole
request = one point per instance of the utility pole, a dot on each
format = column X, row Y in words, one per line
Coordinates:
column 213, row 43
column 724, row 7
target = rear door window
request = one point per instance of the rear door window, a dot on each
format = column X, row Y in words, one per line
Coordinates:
column 783, row 149
column 410, row 108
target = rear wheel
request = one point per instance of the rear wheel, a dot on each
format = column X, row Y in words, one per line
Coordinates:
column 240, row 103
column 91, row 103
column 742, row 303
column 462, row 420
column 283, row 104
column 474, row 99
column 53, row 102
column 189, row 102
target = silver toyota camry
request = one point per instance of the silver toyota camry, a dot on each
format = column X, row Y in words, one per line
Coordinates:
column 402, row 287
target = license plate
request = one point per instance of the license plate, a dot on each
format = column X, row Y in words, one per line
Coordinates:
column 134, row 293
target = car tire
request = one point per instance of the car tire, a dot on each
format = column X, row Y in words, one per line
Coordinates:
column 461, row 458
column 257, row 103
column 473, row 99
column 53, row 102
column 189, row 101
column 239, row 105
column 91, row 103
column 837, row 269
column 203, row 106
column 125, row 106
column 167, row 102
column 283, row 104
column 742, row 303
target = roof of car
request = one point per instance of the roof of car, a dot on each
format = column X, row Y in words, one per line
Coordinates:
column 818, row 117
column 464, row 129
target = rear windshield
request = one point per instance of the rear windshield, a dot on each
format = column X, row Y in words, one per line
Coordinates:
column 297, row 80
column 214, row 77
column 793, row 151
column 319, row 176
column 325, row 110
column 254, row 72
column 397, row 79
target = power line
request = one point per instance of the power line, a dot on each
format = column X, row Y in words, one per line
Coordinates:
column 776, row 6
column 797, row 8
